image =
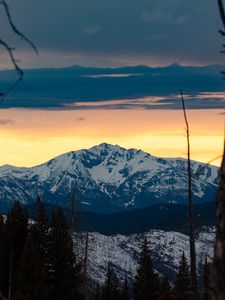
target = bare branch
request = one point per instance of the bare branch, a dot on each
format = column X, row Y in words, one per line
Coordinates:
column 16, row 67
column 222, row 14
column 194, row 288
column 15, row 29
column 10, row 50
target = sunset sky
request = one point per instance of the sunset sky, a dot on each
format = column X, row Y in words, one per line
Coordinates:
column 119, row 33
column 30, row 137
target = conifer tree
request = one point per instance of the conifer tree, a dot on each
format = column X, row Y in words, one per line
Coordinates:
column 125, row 291
column 97, row 294
column 65, row 281
column 165, row 290
column 3, row 257
column 206, row 275
column 16, row 228
column 182, row 284
column 41, row 235
column 31, row 279
column 146, row 283
column 110, row 288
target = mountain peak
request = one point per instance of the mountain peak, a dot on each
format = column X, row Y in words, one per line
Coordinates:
column 107, row 146
column 108, row 178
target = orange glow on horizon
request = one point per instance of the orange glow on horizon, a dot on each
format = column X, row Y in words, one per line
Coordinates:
column 31, row 137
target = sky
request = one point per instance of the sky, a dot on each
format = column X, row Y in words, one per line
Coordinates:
column 114, row 33
column 32, row 137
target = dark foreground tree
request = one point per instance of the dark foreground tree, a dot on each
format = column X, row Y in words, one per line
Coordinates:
column 3, row 264
column 182, row 284
column 206, row 275
column 97, row 294
column 146, row 282
column 193, row 271
column 41, row 235
column 110, row 289
column 65, row 281
column 217, row 282
column 165, row 290
column 31, row 281
column 217, row 274
column 16, row 229
column 124, row 294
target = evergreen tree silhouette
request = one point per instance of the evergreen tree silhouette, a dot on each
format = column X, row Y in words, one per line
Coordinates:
column 206, row 275
column 65, row 281
column 41, row 234
column 182, row 284
column 16, row 229
column 110, row 288
column 3, row 259
column 31, row 274
column 146, row 282
column 165, row 290
column 125, row 291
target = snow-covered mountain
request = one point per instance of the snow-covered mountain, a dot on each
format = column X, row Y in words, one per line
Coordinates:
column 121, row 252
column 107, row 178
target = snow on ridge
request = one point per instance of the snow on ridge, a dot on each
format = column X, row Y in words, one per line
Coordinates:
column 121, row 251
column 111, row 172
column 120, row 163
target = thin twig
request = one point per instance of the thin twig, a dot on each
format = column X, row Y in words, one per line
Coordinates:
column 222, row 13
column 17, row 68
column 9, row 50
column 14, row 27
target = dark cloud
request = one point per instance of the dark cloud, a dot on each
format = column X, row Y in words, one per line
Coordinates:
column 114, row 33
column 6, row 122
column 128, row 87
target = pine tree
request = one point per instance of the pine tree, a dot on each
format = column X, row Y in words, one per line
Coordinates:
column 41, row 235
column 165, row 290
column 182, row 284
column 206, row 275
column 16, row 228
column 31, row 281
column 65, row 281
column 124, row 294
column 97, row 294
column 110, row 289
column 146, row 283
column 3, row 257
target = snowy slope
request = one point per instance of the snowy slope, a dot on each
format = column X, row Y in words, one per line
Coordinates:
column 121, row 252
column 108, row 178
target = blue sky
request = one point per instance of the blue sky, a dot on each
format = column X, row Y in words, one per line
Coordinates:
column 116, row 32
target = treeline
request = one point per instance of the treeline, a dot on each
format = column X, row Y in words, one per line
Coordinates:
column 36, row 258
column 37, row 262
column 147, row 284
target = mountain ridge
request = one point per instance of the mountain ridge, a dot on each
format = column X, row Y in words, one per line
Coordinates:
column 108, row 178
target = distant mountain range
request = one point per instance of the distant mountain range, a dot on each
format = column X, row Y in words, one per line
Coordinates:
column 121, row 252
column 107, row 179
column 122, row 195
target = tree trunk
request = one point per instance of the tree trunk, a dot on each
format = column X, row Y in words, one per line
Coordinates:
column 217, row 282
column 194, row 288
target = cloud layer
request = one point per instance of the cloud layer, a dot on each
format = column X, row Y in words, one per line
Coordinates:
column 98, row 32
